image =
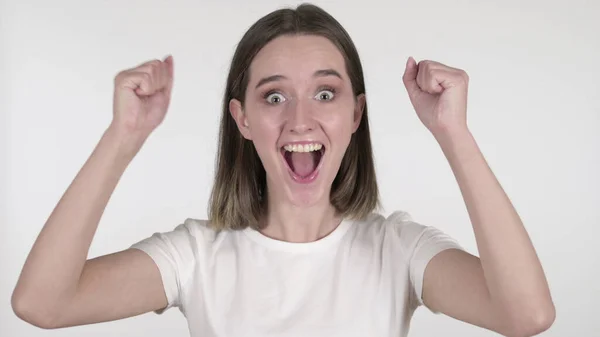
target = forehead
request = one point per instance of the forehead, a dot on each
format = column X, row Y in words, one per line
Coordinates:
column 297, row 56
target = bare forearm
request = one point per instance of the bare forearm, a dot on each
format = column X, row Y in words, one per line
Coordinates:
column 513, row 273
column 52, row 270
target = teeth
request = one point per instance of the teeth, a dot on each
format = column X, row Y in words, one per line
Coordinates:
column 303, row 148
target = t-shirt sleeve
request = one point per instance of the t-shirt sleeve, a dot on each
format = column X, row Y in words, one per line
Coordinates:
column 420, row 244
column 173, row 253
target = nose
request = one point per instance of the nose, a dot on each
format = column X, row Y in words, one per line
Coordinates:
column 300, row 118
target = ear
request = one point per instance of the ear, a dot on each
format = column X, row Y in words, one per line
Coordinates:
column 359, row 108
column 237, row 112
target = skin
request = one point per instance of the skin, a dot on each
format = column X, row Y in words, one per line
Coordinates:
column 503, row 290
column 58, row 286
column 306, row 110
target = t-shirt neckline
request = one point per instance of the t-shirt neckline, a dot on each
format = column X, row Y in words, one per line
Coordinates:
column 300, row 247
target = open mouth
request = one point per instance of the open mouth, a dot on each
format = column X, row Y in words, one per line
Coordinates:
column 303, row 160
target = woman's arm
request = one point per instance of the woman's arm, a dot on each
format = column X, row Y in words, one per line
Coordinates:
column 58, row 286
column 505, row 289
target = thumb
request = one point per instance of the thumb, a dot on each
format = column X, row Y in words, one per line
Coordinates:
column 410, row 77
column 170, row 73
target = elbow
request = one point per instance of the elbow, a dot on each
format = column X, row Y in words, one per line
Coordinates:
column 540, row 322
column 533, row 322
column 32, row 312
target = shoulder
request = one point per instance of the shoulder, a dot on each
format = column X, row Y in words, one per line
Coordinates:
column 199, row 229
column 397, row 224
column 186, row 240
column 401, row 235
column 189, row 229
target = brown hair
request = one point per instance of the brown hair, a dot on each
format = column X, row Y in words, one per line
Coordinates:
column 239, row 194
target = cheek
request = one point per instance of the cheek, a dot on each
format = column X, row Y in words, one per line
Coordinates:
column 340, row 120
column 265, row 131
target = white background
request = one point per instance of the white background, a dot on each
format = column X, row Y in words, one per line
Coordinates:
column 533, row 108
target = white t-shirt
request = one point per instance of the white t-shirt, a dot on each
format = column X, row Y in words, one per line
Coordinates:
column 363, row 279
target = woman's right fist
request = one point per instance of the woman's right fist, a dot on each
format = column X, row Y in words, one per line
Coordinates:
column 142, row 96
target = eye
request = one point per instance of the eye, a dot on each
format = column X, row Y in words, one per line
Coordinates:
column 325, row 95
column 274, row 98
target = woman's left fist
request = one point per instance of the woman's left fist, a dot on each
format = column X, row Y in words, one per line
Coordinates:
column 439, row 95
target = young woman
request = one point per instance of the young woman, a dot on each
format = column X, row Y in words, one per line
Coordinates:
column 293, row 245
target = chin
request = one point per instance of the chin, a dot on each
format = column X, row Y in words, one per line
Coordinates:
column 307, row 196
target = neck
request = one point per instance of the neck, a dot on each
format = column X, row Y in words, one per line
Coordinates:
column 291, row 223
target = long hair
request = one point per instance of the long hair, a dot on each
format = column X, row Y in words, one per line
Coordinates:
column 239, row 194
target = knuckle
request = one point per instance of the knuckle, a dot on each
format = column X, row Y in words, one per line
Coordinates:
column 432, row 83
column 147, row 77
column 154, row 70
column 464, row 76
column 119, row 77
column 154, row 64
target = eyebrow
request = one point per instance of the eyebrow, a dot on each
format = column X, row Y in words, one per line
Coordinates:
column 318, row 73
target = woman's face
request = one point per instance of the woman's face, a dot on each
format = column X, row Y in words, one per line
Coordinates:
column 300, row 113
